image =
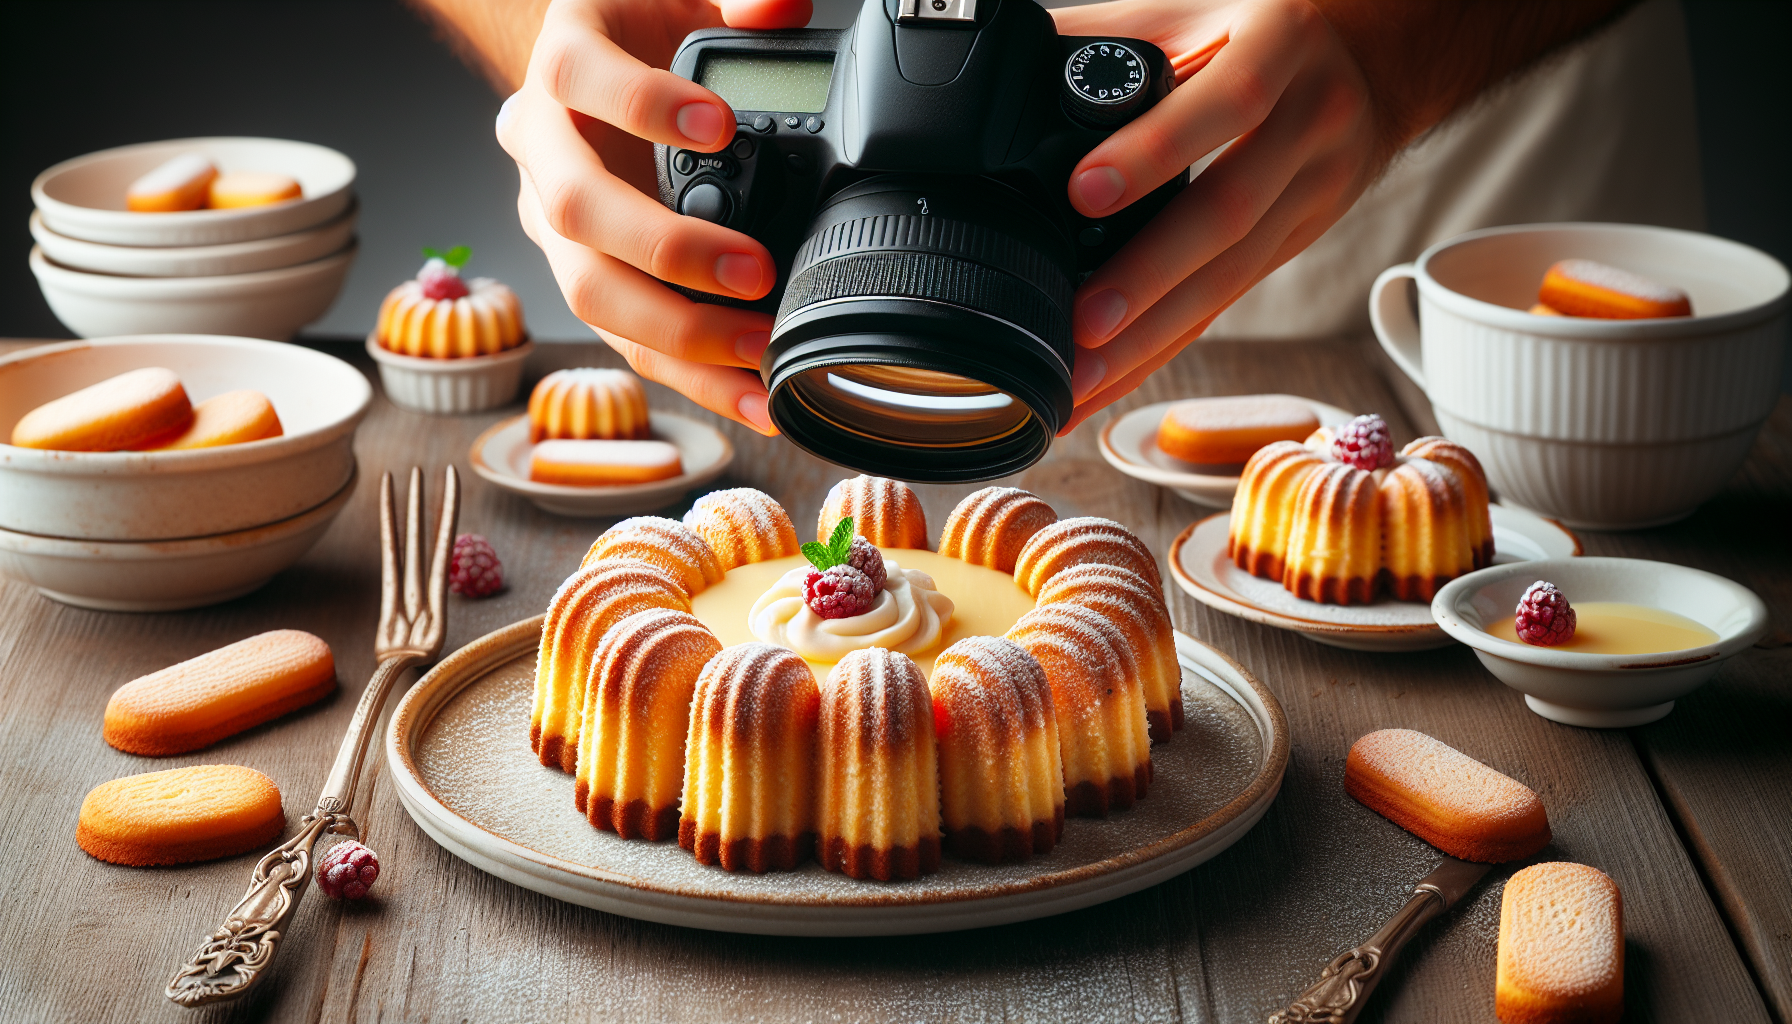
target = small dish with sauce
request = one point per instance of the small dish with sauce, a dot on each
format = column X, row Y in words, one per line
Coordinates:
column 1648, row 634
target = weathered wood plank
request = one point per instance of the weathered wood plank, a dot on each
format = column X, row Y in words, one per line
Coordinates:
column 1228, row 941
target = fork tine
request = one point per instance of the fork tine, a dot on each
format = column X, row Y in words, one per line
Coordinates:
column 445, row 527
column 413, row 548
column 388, row 560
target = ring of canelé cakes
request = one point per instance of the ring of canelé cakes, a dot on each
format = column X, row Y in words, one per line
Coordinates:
column 876, row 771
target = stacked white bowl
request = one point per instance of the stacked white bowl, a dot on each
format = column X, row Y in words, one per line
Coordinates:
column 259, row 271
column 162, row 530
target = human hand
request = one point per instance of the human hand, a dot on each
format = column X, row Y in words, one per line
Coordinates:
column 581, row 129
column 1271, row 74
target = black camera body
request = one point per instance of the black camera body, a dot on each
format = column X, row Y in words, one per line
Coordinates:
column 909, row 176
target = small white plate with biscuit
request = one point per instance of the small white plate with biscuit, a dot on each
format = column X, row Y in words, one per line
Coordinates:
column 1129, row 443
column 502, row 455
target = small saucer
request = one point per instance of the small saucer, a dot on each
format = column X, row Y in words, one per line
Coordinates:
column 1199, row 563
column 1129, row 443
column 1602, row 691
column 501, row 455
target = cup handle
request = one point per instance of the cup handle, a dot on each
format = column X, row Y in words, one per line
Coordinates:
column 1395, row 326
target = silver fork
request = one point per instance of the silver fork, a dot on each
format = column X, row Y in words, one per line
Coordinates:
column 236, row 956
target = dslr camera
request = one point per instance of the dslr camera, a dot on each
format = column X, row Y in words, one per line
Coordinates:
column 909, row 174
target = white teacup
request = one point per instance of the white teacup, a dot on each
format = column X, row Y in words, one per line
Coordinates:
column 1605, row 424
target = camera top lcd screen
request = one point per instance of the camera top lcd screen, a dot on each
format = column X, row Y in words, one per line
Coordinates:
column 761, row 81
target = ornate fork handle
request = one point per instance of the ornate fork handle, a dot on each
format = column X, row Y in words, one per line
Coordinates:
column 233, row 957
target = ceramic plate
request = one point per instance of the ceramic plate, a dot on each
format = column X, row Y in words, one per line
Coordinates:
column 458, row 748
column 501, row 455
column 1199, row 563
column 1129, row 443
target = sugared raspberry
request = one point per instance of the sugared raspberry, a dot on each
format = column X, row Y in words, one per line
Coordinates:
column 441, row 281
column 870, row 561
column 1364, row 443
column 346, row 870
column 838, row 592
column 474, row 569
column 1545, row 618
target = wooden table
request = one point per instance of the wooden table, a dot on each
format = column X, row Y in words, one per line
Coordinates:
column 1692, row 816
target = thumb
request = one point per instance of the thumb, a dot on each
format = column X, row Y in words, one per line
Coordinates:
column 766, row 13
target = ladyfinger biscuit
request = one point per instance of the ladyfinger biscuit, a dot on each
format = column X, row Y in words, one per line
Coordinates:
column 179, row 184
column 200, row 701
column 139, row 409
column 1561, row 954
column 1591, row 289
column 1445, row 797
column 180, row 815
column 1222, row 431
column 603, row 463
column 250, row 188
column 230, row 418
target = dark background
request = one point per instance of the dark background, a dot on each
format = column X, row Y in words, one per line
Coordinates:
column 367, row 78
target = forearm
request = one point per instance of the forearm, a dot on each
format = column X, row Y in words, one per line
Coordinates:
column 494, row 36
column 1425, row 60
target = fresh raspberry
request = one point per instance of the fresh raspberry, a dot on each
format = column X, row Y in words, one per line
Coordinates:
column 474, row 569
column 441, row 281
column 838, row 592
column 347, row 870
column 870, row 561
column 1364, row 443
column 1545, row 618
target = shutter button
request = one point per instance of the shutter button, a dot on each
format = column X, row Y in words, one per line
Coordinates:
column 706, row 201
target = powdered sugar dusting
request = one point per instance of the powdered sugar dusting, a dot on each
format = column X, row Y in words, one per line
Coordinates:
column 1604, row 275
column 1440, row 774
column 1561, row 932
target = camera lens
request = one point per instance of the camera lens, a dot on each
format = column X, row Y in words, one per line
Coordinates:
column 925, row 331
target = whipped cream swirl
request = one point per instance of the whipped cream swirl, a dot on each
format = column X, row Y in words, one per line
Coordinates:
column 908, row 616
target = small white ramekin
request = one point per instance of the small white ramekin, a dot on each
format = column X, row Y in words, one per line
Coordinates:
column 248, row 257
column 446, row 387
column 1601, row 691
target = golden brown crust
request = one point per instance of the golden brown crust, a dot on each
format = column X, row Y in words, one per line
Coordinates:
column 989, row 527
column 742, row 526
column 581, row 612
column 586, row 404
column 749, row 773
column 1445, row 797
column 666, row 543
column 884, row 512
column 204, row 699
column 1561, row 947
column 1138, row 611
column 878, row 765
column 180, row 815
column 1081, row 541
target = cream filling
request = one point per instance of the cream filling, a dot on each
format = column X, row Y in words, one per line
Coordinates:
column 909, row 617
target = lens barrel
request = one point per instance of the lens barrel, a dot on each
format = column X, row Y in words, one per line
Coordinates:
column 925, row 331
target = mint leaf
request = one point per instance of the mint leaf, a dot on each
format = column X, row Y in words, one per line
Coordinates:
column 455, row 257
column 820, row 556
column 840, row 544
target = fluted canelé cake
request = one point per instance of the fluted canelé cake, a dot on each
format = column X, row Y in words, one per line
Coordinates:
column 880, row 788
column 590, row 602
column 588, row 403
column 632, row 732
column 1001, row 770
column 884, row 512
column 749, row 768
column 1333, row 531
column 658, row 684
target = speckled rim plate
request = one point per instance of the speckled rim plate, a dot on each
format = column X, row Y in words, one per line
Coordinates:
column 1129, row 443
column 1198, row 562
column 501, row 455
column 1236, row 732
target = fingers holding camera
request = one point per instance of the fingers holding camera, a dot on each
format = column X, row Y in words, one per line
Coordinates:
column 608, row 294
column 736, row 394
column 1322, row 122
column 578, row 65
column 582, row 201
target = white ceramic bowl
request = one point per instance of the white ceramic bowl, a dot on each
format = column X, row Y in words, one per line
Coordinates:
column 1129, row 443
column 84, row 197
column 270, row 304
column 446, row 387
column 501, row 456
column 1606, row 424
column 196, row 260
column 1602, row 691
column 165, row 576
column 144, row 496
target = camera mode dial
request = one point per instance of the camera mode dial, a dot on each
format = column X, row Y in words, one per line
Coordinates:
column 1104, row 83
